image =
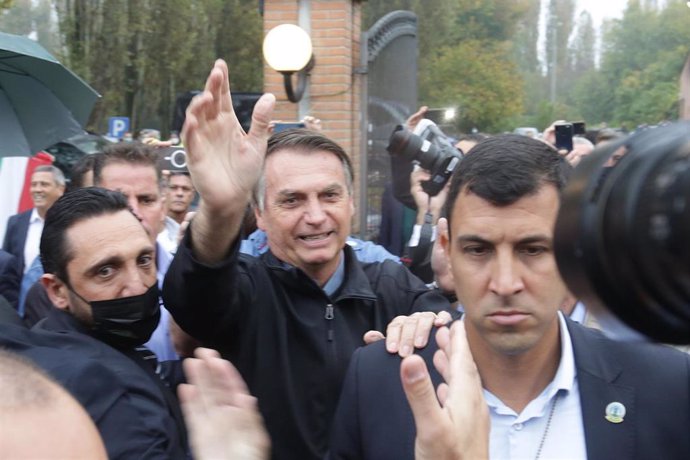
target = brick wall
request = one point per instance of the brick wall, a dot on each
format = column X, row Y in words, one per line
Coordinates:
column 334, row 88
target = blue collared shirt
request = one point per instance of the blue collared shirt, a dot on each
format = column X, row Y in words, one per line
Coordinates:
column 517, row 436
column 365, row 251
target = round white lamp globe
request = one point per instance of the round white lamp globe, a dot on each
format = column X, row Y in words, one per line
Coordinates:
column 287, row 48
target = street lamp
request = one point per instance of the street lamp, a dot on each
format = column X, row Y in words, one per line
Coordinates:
column 288, row 50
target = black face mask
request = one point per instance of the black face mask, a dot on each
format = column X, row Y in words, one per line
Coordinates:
column 126, row 322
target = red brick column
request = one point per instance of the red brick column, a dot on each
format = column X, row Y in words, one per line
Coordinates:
column 334, row 87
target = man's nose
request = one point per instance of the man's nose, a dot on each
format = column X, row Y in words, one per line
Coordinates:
column 137, row 282
column 314, row 213
column 506, row 276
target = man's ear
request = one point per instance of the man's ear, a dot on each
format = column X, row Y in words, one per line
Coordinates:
column 57, row 291
column 444, row 239
column 259, row 218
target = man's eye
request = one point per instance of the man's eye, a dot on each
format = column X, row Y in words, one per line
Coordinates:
column 476, row 250
column 533, row 250
column 148, row 200
column 288, row 202
column 106, row 271
column 146, row 260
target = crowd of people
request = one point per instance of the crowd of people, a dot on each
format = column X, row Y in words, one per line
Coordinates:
column 134, row 328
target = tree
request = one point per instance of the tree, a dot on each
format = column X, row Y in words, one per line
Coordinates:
column 559, row 26
column 480, row 79
column 140, row 54
column 581, row 49
column 465, row 55
column 643, row 56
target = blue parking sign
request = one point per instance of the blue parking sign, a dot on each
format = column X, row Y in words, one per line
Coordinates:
column 118, row 126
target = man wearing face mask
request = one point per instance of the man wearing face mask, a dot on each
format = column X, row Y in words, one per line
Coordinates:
column 100, row 275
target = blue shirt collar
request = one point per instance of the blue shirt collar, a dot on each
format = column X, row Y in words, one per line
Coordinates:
column 336, row 280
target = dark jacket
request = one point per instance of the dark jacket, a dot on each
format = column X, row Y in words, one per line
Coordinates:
column 127, row 403
column 290, row 341
column 374, row 420
column 10, row 277
column 15, row 236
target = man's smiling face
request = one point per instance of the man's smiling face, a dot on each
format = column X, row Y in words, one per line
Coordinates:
column 307, row 210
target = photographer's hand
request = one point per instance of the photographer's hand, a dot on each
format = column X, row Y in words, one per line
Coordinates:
column 424, row 203
column 312, row 123
column 416, row 117
column 549, row 135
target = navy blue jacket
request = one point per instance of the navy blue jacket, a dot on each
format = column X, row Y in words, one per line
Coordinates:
column 15, row 236
column 127, row 405
column 374, row 420
column 10, row 277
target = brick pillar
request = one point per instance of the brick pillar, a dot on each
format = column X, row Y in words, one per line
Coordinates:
column 333, row 93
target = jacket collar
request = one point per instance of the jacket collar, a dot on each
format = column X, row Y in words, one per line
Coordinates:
column 598, row 370
column 355, row 285
column 60, row 321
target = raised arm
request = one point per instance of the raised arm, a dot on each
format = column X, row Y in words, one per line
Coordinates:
column 225, row 162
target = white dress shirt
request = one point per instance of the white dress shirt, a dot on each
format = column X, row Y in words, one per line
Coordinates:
column 517, row 436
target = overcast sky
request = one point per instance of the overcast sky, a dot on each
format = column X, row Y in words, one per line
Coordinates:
column 600, row 9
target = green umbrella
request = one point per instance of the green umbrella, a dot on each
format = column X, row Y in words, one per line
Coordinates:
column 41, row 101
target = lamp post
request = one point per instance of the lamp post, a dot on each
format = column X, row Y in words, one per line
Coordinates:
column 287, row 49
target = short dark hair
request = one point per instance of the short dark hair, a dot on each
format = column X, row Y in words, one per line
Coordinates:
column 72, row 207
column 135, row 153
column 304, row 140
column 504, row 168
column 471, row 137
column 81, row 168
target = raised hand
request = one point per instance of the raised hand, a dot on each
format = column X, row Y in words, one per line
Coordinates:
column 458, row 427
column 415, row 118
column 221, row 416
column 223, row 160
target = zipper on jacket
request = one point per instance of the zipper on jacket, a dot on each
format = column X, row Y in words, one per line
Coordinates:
column 329, row 318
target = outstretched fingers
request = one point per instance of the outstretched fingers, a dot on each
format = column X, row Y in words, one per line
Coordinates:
column 259, row 131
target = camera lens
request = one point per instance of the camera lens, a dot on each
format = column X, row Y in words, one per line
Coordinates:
column 621, row 237
column 404, row 143
column 415, row 148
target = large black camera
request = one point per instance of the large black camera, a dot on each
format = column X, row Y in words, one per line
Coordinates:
column 428, row 146
column 622, row 237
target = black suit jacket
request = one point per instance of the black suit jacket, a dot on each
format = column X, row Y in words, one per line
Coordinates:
column 374, row 421
column 124, row 401
column 10, row 277
column 15, row 236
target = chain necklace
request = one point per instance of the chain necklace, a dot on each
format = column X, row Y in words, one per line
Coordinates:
column 548, row 425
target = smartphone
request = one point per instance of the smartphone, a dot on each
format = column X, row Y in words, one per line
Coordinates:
column 440, row 116
column 278, row 127
column 564, row 137
column 579, row 128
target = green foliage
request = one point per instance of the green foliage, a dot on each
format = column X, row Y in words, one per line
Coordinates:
column 465, row 55
column 642, row 60
column 478, row 77
column 141, row 54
